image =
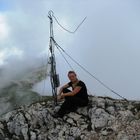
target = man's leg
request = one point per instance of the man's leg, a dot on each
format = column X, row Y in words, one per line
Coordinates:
column 74, row 99
column 78, row 102
column 64, row 109
column 65, row 90
column 71, row 104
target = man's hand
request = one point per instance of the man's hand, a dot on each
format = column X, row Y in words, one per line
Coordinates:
column 60, row 97
column 61, row 89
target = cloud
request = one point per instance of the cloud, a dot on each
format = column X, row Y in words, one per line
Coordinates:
column 4, row 29
column 107, row 44
column 7, row 53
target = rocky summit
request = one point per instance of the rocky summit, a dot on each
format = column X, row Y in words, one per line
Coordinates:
column 103, row 119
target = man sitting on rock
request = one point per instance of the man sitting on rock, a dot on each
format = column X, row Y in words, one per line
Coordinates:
column 78, row 97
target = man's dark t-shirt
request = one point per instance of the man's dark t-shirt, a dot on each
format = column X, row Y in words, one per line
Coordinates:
column 83, row 92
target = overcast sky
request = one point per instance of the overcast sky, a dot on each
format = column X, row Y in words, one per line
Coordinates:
column 107, row 44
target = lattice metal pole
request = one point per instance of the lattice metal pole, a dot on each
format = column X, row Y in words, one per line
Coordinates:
column 52, row 60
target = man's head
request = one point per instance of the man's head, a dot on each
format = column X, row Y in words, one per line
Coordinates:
column 72, row 76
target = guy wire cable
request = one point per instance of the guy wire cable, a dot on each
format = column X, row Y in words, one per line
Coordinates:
column 107, row 87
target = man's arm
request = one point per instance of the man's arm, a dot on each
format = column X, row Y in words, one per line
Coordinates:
column 61, row 89
column 74, row 92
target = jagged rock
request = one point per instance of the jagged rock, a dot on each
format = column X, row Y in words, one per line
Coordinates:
column 126, row 115
column 109, row 102
column 107, row 131
column 83, row 111
column 33, row 135
column 100, row 102
column 69, row 120
column 110, row 110
column 99, row 118
column 103, row 119
column 75, row 116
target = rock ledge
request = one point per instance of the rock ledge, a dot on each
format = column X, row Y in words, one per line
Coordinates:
column 103, row 119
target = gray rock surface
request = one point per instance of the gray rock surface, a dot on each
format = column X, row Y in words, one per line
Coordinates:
column 103, row 119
